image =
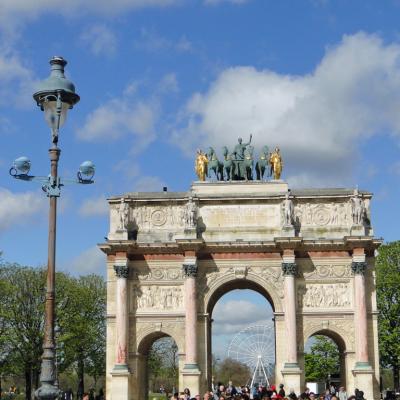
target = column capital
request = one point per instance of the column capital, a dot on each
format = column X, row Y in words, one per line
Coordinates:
column 289, row 269
column 358, row 267
column 190, row 269
column 121, row 270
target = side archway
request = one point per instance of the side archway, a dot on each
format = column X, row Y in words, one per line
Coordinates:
column 170, row 352
column 338, row 378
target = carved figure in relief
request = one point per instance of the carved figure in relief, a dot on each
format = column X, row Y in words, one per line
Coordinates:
column 357, row 208
column 162, row 298
column 288, row 210
column 123, row 215
column 335, row 214
column 325, row 296
column 190, row 213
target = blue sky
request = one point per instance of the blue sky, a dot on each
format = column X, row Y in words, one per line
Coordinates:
column 159, row 78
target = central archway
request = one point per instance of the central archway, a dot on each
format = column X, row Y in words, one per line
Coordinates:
column 159, row 358
column 240, row 293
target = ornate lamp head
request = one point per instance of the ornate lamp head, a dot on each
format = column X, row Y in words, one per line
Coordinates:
column 55, row 95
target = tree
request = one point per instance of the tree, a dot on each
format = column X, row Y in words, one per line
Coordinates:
column 80, row 314
column 162, row 363
column 232, row 370
column 82, row 321
column 388, row 301
column 24, row 317
column 323, row 359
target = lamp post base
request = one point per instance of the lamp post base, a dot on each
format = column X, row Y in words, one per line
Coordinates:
column 48, row 392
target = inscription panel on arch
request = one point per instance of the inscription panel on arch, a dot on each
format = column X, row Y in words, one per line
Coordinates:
column 236, row 215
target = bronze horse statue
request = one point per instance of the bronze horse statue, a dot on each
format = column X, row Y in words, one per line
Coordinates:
column 262, row 164
column 229, row 166
column 248, row 163
column 215, row 165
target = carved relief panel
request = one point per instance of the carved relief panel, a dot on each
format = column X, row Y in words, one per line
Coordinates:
column 153, row 217
column 332, row 295
column 309, row 214
column 158, row 298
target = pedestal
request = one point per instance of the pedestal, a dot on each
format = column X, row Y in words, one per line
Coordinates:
column 292, row 377
column 364, row 379
column 119, row 234
column 191, row 379
column 288, row 231
column 120, row 383
column 188, row 233
column 357, row 230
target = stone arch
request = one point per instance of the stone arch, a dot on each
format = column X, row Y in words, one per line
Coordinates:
column 237, row 278
column 231, row 280
column 147, row 336
column 342, row 342
column 335, row 333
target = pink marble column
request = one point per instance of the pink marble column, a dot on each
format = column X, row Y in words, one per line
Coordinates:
column 190, row 271
column 121, row 317
column 360, row 313
column 289, row 270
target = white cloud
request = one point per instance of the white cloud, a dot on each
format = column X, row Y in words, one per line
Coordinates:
column 16, row 81
column 119, row 117
column 129, row 115
column 168, row 83
column 234, row 315
column 153, row 42
column 100, row 40
column 11, row 11
column 19, row 208
column 94, row 207
column 90, row 261
column 318, row 119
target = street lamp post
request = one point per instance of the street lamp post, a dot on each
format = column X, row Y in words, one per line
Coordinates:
column 55, row 96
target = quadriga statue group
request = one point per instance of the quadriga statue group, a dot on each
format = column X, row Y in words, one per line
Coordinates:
column 240, row 164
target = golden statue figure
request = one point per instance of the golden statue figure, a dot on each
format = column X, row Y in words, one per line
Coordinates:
column 276, row 163
column 200, row 165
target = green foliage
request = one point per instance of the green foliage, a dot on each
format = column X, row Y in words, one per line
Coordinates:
column 232, row 370
column 162, row 363
column 80, row 315
column 388, row 301
column 323, row 359
column 81, row 319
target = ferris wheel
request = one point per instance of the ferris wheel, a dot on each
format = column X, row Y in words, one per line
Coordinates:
column 255, row 347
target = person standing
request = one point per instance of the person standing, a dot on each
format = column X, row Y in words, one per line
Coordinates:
column 342, row 394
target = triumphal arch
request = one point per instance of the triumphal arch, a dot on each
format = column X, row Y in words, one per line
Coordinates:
column 172, row 255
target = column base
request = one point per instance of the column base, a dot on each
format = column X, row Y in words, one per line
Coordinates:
column 291, row 373
column 288, row 231
column 120, row 382
column 357, row 230
column 364, row 379
column 191, row 378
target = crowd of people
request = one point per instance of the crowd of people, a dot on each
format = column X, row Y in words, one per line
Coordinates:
column 232, row 392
